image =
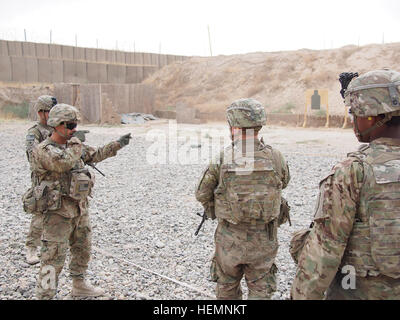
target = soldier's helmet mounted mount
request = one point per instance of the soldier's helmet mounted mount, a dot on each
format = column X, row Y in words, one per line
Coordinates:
column 45, row 103
column 63, row 113
column 246, row 113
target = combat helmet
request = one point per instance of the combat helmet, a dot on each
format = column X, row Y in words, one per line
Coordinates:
column 373, row 93
column 62, row 113
column 45, row 103
column 246, row 113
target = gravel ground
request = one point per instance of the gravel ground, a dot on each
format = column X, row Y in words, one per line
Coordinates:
column 143, row 214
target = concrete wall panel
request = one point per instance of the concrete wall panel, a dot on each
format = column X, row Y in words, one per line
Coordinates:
column 55, row 51
column 64, row 93
column 132, row 74
column 146, row 58
column 138, row 58
column 44, row 70
column 5, row 68
column 79, row 53
column 67, row 52
column 3, row 48
column 90, row 55
column 90, row 102
column 116, row 73
column 120, row 57
column 111, row 56
column 93, row 72
column 42, row 50
column 28, row 49
column 69, row 71
column 102, row 73
column 18, row 69
column 162, row 60
column 14, row 48
column 101, row 55
column 31, row 69
column 154, row 59
column 129, row 58
column 80, row 72
column 57, row 71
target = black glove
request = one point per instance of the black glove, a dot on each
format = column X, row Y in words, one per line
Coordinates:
column 124, row 140
column 80, row 134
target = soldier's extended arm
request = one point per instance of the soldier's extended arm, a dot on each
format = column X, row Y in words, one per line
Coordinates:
column 56, row 159
column 333, row 222
column 94, row 155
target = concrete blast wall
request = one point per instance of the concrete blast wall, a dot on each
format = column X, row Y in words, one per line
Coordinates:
column 38, row 62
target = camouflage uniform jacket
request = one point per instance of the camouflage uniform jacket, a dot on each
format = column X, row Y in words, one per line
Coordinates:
column 36, row 135
column 52, row 162
column 342, row 232
column 210, row 179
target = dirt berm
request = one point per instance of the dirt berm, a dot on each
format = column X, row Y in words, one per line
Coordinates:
column 277, row 79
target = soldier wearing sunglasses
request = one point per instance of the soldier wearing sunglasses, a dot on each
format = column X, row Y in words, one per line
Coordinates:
column 62, row 187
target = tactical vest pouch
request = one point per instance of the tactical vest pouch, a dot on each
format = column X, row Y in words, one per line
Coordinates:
column 82, row 182
column 42, row 198
column 29, row 201
column 384, row 220
column 297, row 243
column 253, row 190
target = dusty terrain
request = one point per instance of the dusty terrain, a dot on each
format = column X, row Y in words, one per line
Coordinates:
column 277, row 79
column 143, row 211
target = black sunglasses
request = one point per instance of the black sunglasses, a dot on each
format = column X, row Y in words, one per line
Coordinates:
column 70, row 125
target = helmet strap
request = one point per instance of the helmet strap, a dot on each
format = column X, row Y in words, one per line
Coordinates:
column 61, row 134
column 378, row 124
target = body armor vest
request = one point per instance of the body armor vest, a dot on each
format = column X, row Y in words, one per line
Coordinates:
column 249, row 189
column 374, row 244
column 76, row 184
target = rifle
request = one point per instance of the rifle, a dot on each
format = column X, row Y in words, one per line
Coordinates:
column 344, row 79
column 204, row 218
column 94, row 167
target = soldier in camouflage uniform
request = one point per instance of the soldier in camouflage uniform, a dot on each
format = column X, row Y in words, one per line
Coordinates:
column 242, row 189
column 353, row 249
column 36, row 134
column 62, row 186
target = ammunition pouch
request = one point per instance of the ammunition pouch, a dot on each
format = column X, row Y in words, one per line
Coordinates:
column 82, row 182
column 297, row 243
column 42, row 198
column 284, row 215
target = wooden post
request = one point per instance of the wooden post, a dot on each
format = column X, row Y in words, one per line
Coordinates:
column 327, row 116
column 305, row 115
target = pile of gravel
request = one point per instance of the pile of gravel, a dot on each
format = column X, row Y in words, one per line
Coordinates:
column 143, row 220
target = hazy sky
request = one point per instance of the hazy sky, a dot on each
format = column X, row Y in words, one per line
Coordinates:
column 181, row 26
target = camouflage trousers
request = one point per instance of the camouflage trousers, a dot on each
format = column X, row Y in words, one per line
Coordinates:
column 35, row 231
column 244, row 250
column 366, row 288
column 59, row 233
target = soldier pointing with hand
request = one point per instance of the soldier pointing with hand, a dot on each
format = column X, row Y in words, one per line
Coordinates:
column 61, row 189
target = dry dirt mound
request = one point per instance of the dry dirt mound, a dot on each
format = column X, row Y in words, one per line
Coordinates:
column 278, row 79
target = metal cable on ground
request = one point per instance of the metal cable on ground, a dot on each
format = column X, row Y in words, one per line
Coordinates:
column 108, row 253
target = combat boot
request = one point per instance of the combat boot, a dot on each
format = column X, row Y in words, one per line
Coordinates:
column 31, row 255
column 82, row 289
